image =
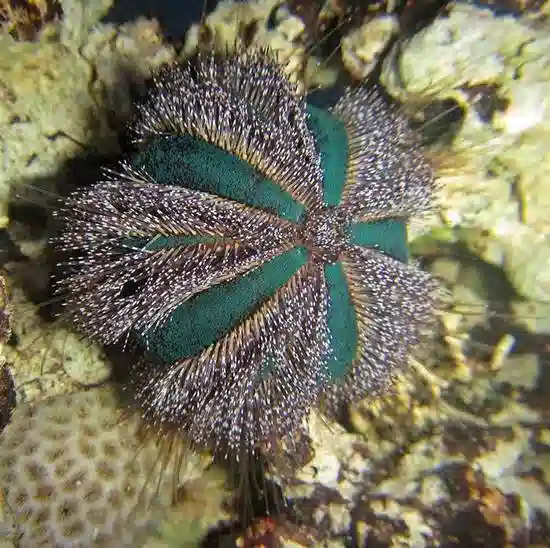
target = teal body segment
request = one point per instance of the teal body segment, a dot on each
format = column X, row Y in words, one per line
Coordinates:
column 332, row 143
column 205, row 318
column 388, row 236
column 188, row 161
column 342, row 322
column 208, row 316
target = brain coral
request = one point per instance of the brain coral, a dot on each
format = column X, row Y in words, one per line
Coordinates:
column 77, row 473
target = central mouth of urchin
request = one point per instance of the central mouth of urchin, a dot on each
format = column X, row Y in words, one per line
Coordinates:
column 325, row 232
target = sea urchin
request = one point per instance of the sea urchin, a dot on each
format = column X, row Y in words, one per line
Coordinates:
column 255, row 250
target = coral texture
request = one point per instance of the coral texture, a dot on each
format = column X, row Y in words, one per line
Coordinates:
column 76, row 472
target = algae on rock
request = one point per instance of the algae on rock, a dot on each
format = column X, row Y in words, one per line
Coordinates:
column 261, row 24
column 496, row 70
column 64, row 97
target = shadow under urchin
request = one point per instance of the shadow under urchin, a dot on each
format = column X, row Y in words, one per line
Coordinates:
column 254, row 249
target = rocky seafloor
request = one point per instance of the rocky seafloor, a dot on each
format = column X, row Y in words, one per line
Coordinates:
column 459, row 453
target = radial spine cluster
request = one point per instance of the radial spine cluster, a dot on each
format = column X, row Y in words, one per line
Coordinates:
column 255, row 249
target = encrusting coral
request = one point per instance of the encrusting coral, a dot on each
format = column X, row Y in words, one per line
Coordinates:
column 76, row 471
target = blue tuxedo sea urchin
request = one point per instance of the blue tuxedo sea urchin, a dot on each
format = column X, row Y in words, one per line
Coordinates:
column 255, row 249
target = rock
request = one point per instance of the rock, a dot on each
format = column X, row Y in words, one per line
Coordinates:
column 362, row 47
column 86, row 365
column 495, row 68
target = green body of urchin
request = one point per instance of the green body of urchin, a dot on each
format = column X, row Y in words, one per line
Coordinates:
column 204, row 319
column 255, row 248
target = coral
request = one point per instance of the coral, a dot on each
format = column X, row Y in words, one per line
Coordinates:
column 63, row 97
column 57, row 94
column 38, row 114
column 188, row 522
column 76, row 472
column 261, row 24
column 361, row 48
column 24, row 20
column 495, row 71
column 307, row 36
column 79, row 18
column 86, row 364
